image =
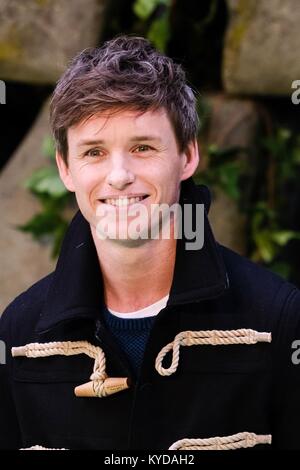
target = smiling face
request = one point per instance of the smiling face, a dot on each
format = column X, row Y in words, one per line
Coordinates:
column 127, row 158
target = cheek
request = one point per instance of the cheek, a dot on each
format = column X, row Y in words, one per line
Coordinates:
column 173, row 175
column 85, row 179
column 167, row 171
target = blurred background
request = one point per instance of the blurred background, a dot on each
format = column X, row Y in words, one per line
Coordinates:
column 242, row 56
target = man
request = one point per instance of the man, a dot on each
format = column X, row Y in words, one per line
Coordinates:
column 138, row 340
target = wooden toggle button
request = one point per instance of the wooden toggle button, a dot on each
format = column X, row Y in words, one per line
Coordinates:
column 111, row 385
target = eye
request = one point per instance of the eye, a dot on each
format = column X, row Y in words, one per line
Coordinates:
column 142, row 148
column 94, row 153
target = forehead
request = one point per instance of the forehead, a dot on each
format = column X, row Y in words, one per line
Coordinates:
column 125, row 122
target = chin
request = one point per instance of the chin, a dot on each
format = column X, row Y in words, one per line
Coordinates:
column 129, row 242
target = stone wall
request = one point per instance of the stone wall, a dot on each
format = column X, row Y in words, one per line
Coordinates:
column 39, row 37
column 261, row 53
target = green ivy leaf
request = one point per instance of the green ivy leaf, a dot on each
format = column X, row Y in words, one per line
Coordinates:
column 59, row 234
column 282, row 237
column 48, row 148
column 47, row 224
column 144, row 8
column 265, row 246
column 159, row 32
column 284, row 134
column 46, row 181
column 42, row 224
column 229, row 178
column 296, row 155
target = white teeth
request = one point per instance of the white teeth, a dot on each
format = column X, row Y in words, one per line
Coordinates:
column 124, row 201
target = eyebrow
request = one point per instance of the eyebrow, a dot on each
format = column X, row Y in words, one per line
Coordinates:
column 144, row 138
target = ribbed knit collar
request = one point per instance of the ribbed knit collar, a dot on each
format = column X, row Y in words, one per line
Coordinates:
column 126, row 324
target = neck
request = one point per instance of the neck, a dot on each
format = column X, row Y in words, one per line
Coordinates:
column 135, row 276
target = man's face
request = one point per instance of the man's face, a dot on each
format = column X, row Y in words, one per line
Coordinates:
column 122, row 160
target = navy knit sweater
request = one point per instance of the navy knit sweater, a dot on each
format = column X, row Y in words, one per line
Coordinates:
column 131, row 334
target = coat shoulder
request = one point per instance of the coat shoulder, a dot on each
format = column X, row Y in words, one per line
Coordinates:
column 245, row 272
column 24, row 311
column 259, row 291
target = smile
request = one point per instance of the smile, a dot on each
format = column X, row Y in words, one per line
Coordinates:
column 123, row 201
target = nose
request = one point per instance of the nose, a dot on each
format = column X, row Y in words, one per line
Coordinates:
column 119, row 175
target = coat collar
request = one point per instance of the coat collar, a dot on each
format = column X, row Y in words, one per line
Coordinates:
column 76, row 291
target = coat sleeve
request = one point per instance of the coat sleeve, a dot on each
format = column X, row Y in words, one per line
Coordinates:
column 10, row 436
column 286, row 387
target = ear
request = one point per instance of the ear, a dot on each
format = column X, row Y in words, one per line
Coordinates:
column 64, row 172
column 190, row 160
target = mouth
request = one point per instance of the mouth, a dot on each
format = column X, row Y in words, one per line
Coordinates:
column 123, row 201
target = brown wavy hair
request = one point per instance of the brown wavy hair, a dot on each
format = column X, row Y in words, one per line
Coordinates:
column 127, row 72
